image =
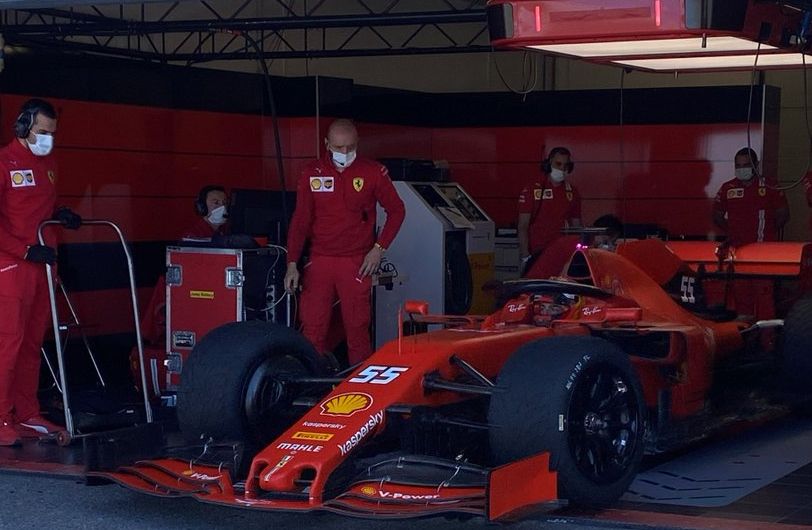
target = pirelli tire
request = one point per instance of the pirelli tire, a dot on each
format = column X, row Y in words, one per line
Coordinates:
column 580, row 399
column 233, row 385
column 796, row 350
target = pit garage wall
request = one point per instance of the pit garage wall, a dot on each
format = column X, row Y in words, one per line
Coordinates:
column 140, row 162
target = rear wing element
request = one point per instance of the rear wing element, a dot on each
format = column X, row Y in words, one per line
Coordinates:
column 784, row 259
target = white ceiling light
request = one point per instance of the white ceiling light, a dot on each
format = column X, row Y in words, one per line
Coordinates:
column 654, row 47
column 729, row 62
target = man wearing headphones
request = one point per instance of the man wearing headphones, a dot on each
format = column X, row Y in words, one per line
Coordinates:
column 746, row 208
column 750, row 211
column 27, row 197
column 210, row 205
column 336, row 202
column 547, row 206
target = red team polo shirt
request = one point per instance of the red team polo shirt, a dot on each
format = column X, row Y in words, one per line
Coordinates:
column 549, row 206
column 27, row 197
column 346, row 206
column 750, row 210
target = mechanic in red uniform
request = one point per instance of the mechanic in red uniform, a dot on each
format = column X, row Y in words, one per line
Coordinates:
column 547, row 206
column 750, row 211
column 336, row 199
column 27, row 197
column 210, row 206
column 746, row 208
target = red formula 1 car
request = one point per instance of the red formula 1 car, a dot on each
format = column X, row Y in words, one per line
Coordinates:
column 553, row 397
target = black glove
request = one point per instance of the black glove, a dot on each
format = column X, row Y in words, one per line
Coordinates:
column 68, row 218
column 41, row 254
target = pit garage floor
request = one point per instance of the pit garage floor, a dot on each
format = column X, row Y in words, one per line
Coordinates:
column 760, row 478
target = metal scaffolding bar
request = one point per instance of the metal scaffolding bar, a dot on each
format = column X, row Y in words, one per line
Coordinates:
column 158, row 33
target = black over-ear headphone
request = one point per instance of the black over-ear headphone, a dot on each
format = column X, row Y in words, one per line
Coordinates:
column 546, row 164
column 201, row 207
column 28, row 114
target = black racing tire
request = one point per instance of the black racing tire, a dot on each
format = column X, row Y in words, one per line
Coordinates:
column 796, row 351
column 580, row 399
column 230, row 387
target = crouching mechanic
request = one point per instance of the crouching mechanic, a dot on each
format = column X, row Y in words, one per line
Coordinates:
column 336, row 209
column 27, row 197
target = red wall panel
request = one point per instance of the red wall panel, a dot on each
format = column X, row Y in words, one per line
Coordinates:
column 144, row 172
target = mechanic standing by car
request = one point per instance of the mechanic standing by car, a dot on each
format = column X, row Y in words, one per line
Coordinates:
column 746, row 208
column 547, row 206
column 750, row 211
column 27, row 197
column 336, row 201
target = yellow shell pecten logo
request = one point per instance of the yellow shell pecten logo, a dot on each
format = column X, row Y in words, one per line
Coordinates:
column 368, row 490
column 346, row 404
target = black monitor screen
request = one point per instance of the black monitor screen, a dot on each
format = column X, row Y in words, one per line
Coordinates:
column 259, row 213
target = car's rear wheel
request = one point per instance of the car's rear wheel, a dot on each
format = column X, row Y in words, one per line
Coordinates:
column 235, row 387
column 796, row 351
column 580, row 399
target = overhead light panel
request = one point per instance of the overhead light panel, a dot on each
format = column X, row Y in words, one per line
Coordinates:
column 634, row 32
column 681, row 46
column 720, row 62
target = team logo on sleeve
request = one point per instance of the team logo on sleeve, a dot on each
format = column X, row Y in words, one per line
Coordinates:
column 358, row 183
column 21, row 178
column 735, row 193
column 51, row 176
column 569, row 196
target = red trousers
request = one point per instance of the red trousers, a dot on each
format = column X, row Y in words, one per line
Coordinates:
column 24, row 316
column 325, row 279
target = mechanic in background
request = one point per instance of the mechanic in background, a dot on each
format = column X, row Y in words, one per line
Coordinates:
column 210, row 206
column 28, row 176
column 547, row 206
column 750, row 212
column 336, row 210
column 558, row 253
column 746, row 208
column 614, row 229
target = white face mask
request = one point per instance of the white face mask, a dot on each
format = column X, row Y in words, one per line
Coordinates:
column 218, row 216
column 343, row 160
column 557, row 175
column 744, row 173
column 43, row 144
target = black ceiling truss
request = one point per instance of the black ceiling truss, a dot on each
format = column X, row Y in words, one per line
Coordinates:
column 296, row 29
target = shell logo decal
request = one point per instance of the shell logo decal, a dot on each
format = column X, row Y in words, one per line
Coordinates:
column 346, row 404
column 369, row 490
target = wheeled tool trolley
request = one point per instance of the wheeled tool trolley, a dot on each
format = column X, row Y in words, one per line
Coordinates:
column 65, row 437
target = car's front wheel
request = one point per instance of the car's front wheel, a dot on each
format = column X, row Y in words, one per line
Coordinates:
column 235, row 384
column 580, row 399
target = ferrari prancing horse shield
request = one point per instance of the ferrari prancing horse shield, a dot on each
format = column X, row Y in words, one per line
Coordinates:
column 358, row 183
